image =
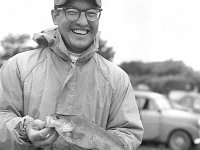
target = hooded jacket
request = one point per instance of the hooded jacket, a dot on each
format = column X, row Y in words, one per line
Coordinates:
column 44, row 81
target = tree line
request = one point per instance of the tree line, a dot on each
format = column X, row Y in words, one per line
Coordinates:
column 162, row 76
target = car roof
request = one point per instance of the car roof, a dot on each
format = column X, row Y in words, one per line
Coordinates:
column 192, row 94
column 147, row 93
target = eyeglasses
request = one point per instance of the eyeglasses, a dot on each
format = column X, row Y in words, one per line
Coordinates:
column 73, row 14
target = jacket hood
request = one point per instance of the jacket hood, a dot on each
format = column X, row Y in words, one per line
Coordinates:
column 51, row 38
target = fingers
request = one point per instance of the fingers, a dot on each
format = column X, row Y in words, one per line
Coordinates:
column 41, row 134
column 38, row 124
column 48, row 140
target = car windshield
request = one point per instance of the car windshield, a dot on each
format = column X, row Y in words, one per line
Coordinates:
column 162, row 101
column 190, row 101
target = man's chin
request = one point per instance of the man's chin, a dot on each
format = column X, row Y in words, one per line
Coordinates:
column 80, row 47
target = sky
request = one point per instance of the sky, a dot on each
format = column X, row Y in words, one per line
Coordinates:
column 138, row 30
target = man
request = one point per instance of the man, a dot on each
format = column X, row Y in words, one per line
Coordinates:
column 66, row 76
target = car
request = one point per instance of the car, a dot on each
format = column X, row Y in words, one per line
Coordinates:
column 191, row 101
column 178, row 129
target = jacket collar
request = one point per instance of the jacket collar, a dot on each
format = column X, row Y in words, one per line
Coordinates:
column 51, row 38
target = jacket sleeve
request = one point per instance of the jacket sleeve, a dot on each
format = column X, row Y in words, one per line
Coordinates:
column 12, row 135
column 124, row 119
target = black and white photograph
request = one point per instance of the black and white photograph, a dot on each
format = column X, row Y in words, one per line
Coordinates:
column 100, row 75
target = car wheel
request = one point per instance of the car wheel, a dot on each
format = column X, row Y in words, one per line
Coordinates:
column 180, row 140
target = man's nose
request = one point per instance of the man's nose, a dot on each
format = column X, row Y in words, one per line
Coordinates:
column 82, row 20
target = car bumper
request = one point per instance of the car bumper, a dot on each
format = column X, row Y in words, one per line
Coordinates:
column 197, row 141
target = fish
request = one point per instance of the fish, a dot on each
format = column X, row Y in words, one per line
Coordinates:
column 78, row 131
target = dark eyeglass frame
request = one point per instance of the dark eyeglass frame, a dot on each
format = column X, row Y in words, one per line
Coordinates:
column 79, row 12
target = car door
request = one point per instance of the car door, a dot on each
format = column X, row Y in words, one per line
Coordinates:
column 150, row 117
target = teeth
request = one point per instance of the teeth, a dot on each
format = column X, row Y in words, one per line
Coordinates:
column 83, row 32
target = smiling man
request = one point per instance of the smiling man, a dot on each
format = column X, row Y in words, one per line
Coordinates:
column 66, row 76
column 77, row 23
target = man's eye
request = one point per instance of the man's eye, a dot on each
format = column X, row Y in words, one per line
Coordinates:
column 72, row 12
column 91, row 13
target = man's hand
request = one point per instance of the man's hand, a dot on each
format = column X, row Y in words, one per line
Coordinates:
column 39, row 135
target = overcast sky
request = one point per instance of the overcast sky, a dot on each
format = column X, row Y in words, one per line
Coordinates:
column 146, row 30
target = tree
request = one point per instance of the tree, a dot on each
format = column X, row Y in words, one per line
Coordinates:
column 162, row 76
column 106, row 52
column 13, row 44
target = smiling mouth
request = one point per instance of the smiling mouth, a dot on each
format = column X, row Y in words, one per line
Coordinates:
column 80, row 32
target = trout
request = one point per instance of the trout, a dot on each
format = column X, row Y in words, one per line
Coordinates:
column 82, row 133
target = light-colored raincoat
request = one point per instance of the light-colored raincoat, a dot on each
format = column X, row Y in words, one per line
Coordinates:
column 44, row 81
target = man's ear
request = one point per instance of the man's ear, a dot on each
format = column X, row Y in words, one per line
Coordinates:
column 54, row 15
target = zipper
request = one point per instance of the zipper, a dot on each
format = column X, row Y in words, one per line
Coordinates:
column 73, row 64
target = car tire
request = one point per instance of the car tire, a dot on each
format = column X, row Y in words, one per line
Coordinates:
column 180, row 140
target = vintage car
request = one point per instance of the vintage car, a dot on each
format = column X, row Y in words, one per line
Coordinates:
column 162, row 123
column 191, row 101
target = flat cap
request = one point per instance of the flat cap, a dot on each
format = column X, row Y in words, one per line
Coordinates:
column 61, row 2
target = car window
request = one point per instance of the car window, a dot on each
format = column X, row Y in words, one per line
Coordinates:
column 145, row 103
column 141, row 101
column 187, row 101
column 152, row 105
column 162, row 102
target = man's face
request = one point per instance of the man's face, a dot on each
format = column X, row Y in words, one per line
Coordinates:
column 79, row 34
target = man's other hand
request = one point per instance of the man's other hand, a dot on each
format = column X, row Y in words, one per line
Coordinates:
column 39, row 135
